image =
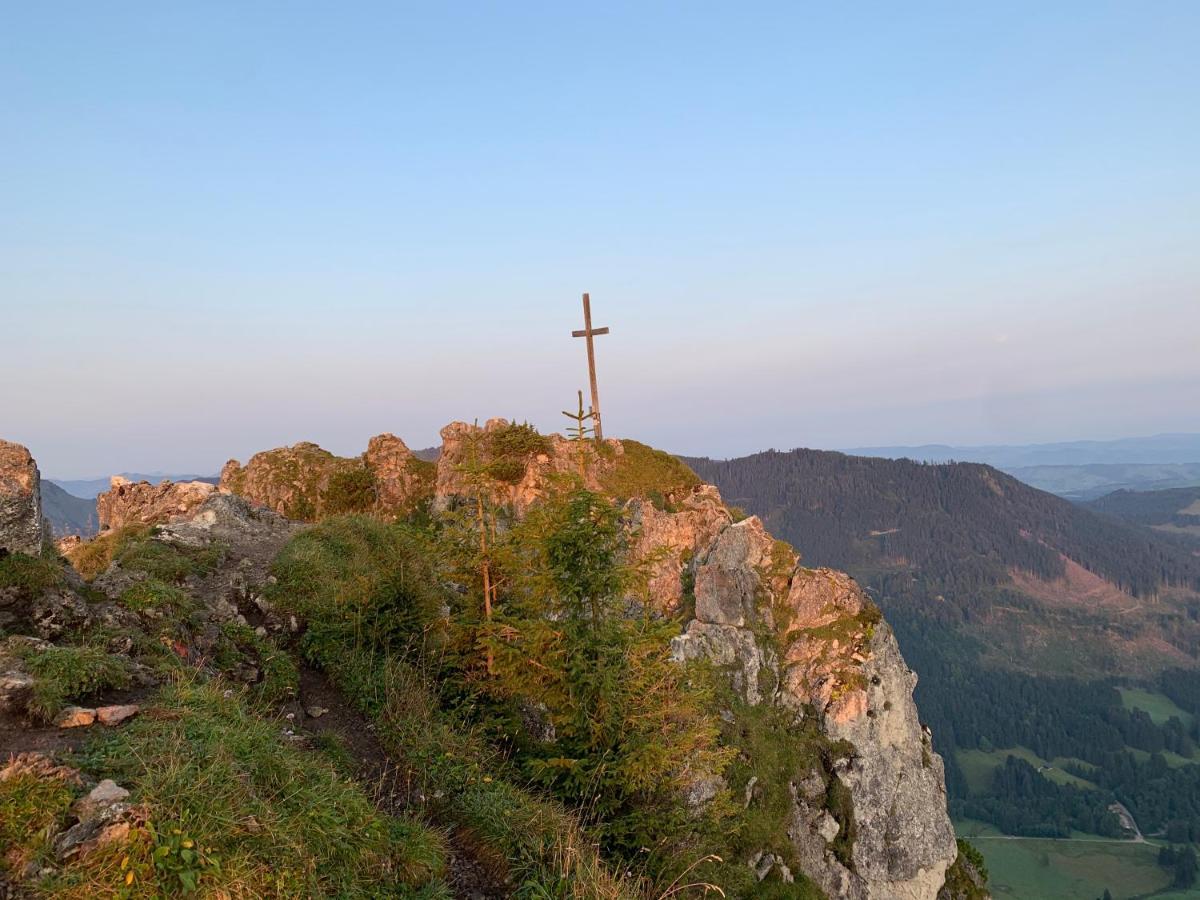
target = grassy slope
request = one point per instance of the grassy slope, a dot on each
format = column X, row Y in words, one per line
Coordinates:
column 1158, row 706
column 1036, row 869
column 978, row 766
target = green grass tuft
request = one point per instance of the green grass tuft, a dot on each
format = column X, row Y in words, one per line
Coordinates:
column 266, row 818
column 642, row 471
column 32, row 809
column 63, row 674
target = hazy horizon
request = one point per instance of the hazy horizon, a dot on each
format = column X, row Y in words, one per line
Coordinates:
column 229, row 228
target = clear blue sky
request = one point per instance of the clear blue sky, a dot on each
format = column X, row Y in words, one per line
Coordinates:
column 228, row 226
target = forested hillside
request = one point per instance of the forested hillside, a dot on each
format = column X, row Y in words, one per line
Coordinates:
column 961, row 526
column 1174, row 512
column 1029, row 620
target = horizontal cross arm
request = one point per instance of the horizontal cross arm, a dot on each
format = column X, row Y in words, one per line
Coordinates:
column 585, row 332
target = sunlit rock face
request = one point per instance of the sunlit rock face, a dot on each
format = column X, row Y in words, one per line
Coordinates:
column 514, row 473
column 143, row 503
column 22, row 528
column 809, row 640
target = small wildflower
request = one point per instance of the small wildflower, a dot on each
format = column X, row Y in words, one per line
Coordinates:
column 487, row 779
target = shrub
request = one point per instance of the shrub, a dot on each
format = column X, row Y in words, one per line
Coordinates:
column 508, row 450
column 632, row 729
column 365, row 582
column 350, row 490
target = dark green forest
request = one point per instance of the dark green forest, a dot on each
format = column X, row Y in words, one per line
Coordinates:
column 1176, row 508
column 935, row 544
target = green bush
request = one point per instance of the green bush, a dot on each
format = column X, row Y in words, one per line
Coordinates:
column 350, row 490
column 365, row 582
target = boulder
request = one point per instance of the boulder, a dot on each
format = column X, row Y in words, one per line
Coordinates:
column 143, row 503
column 115, row 715
column 22, row 527
column 75, row 717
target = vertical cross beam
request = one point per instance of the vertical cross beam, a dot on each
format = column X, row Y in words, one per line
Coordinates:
column 588, row 332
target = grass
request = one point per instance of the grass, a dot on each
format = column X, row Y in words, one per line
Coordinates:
column 509, row 449
column 1159, row 707
column 259, row 817
column 772, row 748
column 157, row 597
column 977, row 767
column 534, row 842
column 30, row 576
column 280, row 679
column 134, row 548
column 66, row 673
column 642, row 471
column 32, row 809
column 1042, row 869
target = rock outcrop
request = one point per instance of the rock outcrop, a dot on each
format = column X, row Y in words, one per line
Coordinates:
column 514, row 464
column 22, row 528
column 307, row 482
column 143, row 503
column 809, row 642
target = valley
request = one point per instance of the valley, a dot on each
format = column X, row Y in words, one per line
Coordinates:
column 1056, row 646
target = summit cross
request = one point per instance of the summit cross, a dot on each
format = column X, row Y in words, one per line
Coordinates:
column 589, row 332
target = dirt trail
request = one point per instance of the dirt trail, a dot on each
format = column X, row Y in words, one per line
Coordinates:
column 388, row 784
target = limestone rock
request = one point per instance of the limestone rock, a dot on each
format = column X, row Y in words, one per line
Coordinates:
column 840, row 662
column 115, row 715
column 75, row 717
column 40, row 766
column 729, row 576
column 16, row 688
column 143, row 503
column 67, row 543
column 106, row 793
column 669, row 541
column 305, row 481
column 22, row 527
column 519, row 479
column 401, row 480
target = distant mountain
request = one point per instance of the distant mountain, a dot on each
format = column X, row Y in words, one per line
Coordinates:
column 67, row 513
column 1173, row 512
column 1091, row 481
column 1161, row 448
column 1037, row 580
column 429, row 454
column 90, row 488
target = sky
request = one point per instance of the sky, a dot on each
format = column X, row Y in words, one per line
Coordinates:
column 226, row 227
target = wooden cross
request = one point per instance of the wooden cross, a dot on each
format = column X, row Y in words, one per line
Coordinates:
column 589, row 332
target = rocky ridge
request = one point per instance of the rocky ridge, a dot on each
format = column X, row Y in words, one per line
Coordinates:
column 807, row 641
column 143, row 503
column 804, row 642
column 306, row 482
